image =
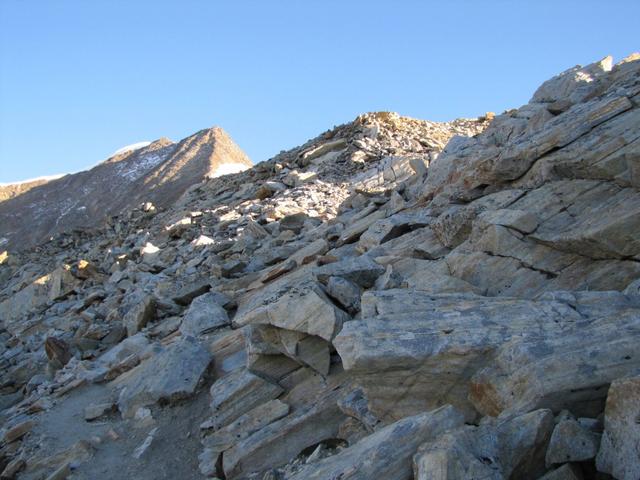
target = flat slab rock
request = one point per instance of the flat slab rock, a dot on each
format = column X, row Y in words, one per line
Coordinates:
column 238, row 393
column 172, row 374
column 418, row 351
column 571, row 370
column 282, row 440
column 386, row 453
column 303, row 307
column 362, row 270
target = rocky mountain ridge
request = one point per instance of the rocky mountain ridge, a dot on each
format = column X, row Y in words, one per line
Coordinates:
column 393, row 299
column 159, row 172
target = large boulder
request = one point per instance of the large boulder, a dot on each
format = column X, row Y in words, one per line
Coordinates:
column 496, row 450
column 418, row 351
column 413, row 351
column 303, row 308
column 387, row 452
column 620, row 445
column 569, row 370
column 172, row 374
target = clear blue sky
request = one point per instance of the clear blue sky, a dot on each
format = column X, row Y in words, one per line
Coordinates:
column 81, row 78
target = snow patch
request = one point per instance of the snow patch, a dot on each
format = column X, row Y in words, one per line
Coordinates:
column 227, row 169
column 133, row 146
column 135, row 169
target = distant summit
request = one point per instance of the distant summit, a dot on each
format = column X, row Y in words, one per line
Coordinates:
column 133, row 146
column 157, row 172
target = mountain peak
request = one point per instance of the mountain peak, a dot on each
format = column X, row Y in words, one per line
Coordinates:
column 158, row 172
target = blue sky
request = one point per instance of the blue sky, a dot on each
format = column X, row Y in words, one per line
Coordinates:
column 79, row 79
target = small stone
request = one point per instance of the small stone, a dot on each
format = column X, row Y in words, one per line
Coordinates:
column 144, row 446
column 58, row 351
column 140, row 309
column 93, row 412
column 13, row 467
column 362, row 270
column 18, row 431
column 202, row 241
column 61, row 473
column 293, row 222
column 345, row 292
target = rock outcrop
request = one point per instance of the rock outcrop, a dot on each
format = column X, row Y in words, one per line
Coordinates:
column 395, row 299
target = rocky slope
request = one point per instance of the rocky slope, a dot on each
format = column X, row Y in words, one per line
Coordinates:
column 159, row 172
column 394, row 299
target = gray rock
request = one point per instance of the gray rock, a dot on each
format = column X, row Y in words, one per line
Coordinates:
column 356, row 405
column 353, row 231
column 565, row 472
column 572, row 442
column 37, row 294
column 294, row 222
column 172, row 374
column 593, row 229
column 273, row 367
column 386, row 453
column 620, row 444
column 362, row 270
column 134, row 345
column 413, row 351
column 204, row 315
column 518, row 157
column 576, row 84
column 238, row 393
column 345, row 292
column 270, row 188
column 392, row 227
column 245, row 425
column 497, row 449
column 138, row 309
column 432, row 277
column 280, row 441
column 305, row 350
column 570, row 370
column 453, row 225
column 188, row 292
column 303, row 308
column 310, row 252
column 91, row 412
column 633, row 289
column 520, row 220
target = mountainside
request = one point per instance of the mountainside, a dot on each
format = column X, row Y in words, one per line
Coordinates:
column 159, row 172
column 11, row 190
column 394, row 299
